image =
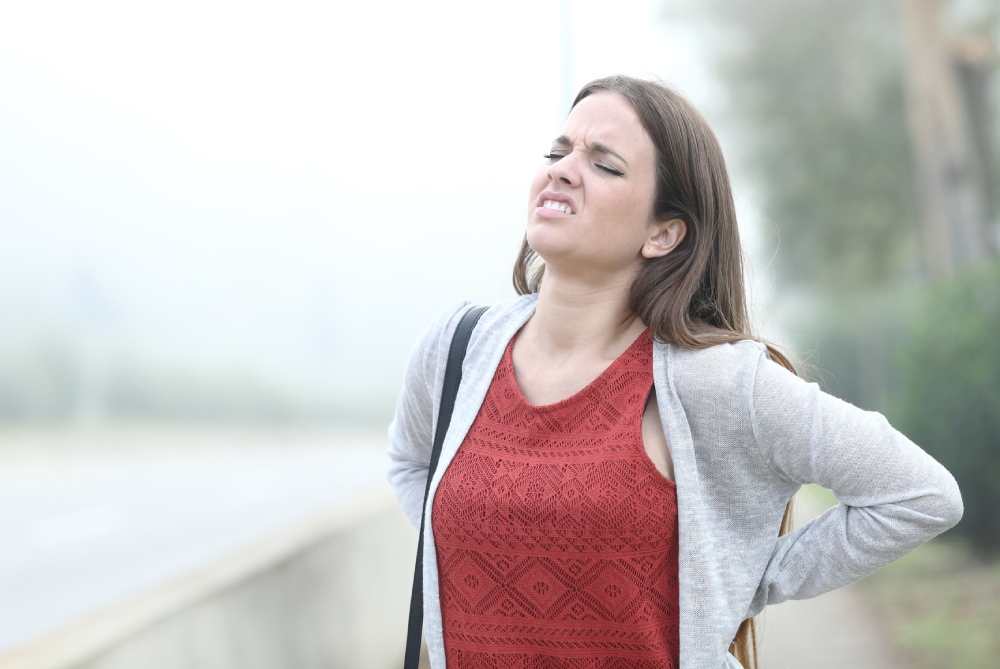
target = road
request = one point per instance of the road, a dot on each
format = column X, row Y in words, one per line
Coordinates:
column 84, row 528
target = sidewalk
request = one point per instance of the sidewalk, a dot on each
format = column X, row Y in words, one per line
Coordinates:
column 833, row 631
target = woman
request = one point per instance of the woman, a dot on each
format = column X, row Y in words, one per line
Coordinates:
column 622, row 450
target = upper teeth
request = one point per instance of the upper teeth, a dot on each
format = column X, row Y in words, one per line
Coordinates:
column 558, row 206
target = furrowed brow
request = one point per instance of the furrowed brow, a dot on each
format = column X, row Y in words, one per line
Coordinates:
column 604, row 148
column 563, row 140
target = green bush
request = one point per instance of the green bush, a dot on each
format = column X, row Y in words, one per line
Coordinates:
column 946, row 392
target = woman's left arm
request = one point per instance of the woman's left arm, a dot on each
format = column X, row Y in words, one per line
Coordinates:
column 893, row 496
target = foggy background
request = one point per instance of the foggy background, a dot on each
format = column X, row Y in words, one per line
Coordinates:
column 221, row 210
column 223, row 225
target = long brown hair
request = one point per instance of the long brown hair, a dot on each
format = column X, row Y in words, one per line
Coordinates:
column 694, row 296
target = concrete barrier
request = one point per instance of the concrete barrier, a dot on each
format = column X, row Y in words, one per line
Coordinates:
column 329, row 593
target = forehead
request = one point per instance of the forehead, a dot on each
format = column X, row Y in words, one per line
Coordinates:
column 611, row 119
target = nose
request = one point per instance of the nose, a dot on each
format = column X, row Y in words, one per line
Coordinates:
column 566, row 170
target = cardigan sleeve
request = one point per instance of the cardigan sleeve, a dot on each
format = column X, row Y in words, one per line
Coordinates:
column 893, row 496
column 411, row 433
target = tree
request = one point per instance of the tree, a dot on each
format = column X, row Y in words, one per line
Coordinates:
column 951, row 169
column 817, row 92
column 947, row 392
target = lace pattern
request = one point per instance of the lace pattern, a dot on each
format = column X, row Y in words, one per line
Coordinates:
column 556, row 536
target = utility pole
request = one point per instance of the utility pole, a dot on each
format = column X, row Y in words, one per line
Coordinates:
column 950, row 172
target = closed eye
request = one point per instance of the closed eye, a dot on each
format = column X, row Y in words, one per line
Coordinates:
column 553, row 156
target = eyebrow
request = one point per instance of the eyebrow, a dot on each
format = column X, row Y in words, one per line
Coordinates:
column 594, row 146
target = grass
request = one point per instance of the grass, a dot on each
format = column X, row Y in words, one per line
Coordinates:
column 941, row 607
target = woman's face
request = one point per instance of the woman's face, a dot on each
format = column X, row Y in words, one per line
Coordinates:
column 590, row 208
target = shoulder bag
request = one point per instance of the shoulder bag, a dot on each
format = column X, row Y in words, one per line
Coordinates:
column 452, row 379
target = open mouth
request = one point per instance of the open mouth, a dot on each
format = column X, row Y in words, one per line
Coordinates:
column 557, row 206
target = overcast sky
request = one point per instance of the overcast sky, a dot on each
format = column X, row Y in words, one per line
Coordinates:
column 296, row 188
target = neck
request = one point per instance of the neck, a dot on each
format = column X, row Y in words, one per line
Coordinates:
column 577, row 316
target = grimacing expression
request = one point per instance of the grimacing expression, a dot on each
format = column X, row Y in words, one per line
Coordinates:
column 591, row 201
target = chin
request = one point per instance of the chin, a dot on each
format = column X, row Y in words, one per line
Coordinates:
column 547, row 243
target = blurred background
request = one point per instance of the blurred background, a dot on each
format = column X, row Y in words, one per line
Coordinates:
column 223, row 225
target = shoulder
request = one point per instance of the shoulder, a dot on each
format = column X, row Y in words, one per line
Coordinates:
column 720, row 387
column 499, row 315
column 432, row 346
column 723, row 371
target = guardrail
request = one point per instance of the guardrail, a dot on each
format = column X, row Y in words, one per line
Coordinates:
column 330, row 592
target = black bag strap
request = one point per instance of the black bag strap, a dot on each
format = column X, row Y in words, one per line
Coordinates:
column 452, row 379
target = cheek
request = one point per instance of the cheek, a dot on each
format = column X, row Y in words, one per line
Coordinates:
column 537, row 186
column 623, row 206
column 630, row 213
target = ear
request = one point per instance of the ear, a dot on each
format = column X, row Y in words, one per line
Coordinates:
column 664, row 237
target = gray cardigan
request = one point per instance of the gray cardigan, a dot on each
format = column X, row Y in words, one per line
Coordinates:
column 744, row 434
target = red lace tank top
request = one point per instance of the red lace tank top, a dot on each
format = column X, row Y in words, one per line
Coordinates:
column 556, row 536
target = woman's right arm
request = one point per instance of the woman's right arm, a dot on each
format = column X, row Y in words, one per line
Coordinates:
column 411, row 433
